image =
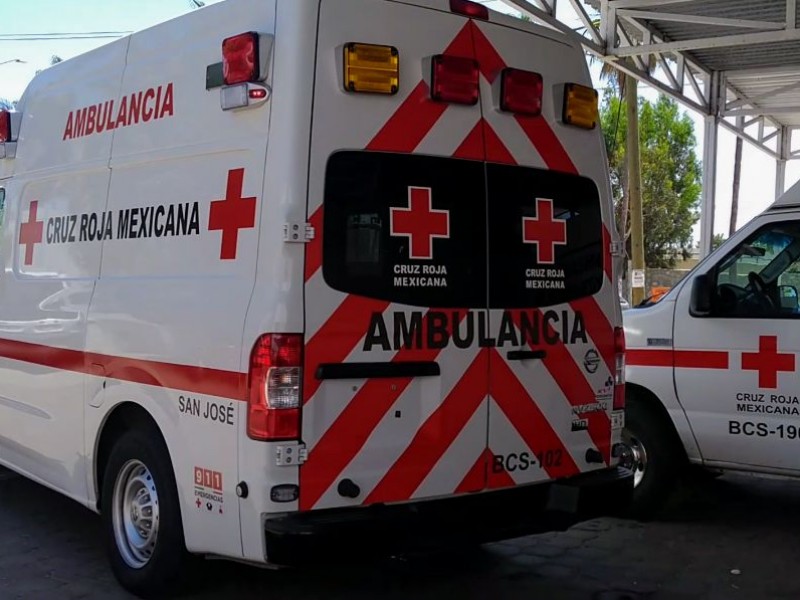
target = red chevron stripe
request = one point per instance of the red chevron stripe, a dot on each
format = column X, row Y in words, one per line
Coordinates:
column 526, row 417
column 472, row 146
column 336, row 339
column 481, row 476
column 349, row 432
column 435, row 436
column 576, row 388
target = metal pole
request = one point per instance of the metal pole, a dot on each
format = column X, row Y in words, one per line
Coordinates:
column 635, row 191
column 710, row 168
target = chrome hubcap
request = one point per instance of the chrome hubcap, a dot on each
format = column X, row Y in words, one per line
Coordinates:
column 136, row 514
column 634, row 457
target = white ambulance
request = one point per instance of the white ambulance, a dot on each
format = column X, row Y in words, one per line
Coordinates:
column 712, row 367
column 288, row 276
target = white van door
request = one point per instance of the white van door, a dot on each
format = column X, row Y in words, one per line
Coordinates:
column 395, row 295
column 736, row 369
column 550, row 289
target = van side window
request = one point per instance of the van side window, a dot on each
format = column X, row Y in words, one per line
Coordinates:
column 760, row 278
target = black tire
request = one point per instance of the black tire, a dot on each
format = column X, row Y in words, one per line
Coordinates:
column 165, row 569
column 646, row 428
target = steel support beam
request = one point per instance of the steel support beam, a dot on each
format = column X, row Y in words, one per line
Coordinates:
column 784, row 150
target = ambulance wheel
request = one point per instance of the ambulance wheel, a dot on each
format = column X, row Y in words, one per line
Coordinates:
column 651, row 456
column 141, row 516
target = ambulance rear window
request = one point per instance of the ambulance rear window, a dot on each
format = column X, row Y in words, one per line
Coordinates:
column 406, row 228
column 545, row 237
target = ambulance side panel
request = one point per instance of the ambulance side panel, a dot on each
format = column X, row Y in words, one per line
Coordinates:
column 49, row 271
column 171, row 298
column 278, row 298
column 652, row 329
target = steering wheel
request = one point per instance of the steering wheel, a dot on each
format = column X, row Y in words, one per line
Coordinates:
column 759, row 290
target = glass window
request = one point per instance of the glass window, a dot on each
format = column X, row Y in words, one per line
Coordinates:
column 761, row 276
column 545, row 237
column 406, row 228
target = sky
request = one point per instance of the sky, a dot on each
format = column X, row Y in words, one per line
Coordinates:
column 120, row 16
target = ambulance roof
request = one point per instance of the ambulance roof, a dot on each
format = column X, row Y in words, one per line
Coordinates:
column 790, row 197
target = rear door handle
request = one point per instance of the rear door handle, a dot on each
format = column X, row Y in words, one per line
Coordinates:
column 526, row 354
column 377, row 370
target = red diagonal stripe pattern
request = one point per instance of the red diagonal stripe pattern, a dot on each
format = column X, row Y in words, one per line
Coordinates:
column 526, row 417
column 598, row 328
column 481, row 475
column 349, row 432
column 573, row 384
column 435, row 436
column 336, row 339
column 472, row 146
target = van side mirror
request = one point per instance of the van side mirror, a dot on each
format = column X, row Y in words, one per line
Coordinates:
column 702, row 292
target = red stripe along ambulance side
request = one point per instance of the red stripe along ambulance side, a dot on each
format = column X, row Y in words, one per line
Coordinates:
column 460, row 310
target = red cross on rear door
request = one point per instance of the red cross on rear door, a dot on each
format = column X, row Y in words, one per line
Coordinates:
column 545, row 231
column 420, row 223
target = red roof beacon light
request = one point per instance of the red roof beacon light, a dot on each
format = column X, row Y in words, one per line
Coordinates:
column 455, row 79
column 521, row 92
column 240, row 60
column 5, row 126
column 469, row 9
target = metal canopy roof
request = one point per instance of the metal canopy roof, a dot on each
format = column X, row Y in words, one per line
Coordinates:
column 735, row 61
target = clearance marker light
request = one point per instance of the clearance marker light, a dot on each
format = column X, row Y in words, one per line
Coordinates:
column 521, row 92
column 370, row 68
column 454, row 79
column 469, row 9
column 580, row 106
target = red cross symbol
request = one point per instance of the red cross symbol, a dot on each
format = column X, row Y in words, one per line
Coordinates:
column 232, row 214
column 31, row 232
column 198, row 503
column 544, row 231
column 420, row 223
column 768, row 362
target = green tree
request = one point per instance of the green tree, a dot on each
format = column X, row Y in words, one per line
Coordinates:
column 671, row 174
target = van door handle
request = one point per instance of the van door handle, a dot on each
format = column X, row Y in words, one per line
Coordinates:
column 526, row 354
column 377, row 370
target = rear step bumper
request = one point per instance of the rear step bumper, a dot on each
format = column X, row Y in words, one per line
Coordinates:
column 343, row 534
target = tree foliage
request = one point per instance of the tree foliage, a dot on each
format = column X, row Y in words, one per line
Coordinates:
column 671, row 175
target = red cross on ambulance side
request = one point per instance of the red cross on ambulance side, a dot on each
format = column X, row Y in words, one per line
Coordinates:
column 31, row 232
column 420, row 223
column 768, row 362
column 545, row 231
column 232, row 213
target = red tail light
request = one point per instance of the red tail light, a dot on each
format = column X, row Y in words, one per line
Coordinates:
column 619, row 376
column 240, row 61
column 273, row 411
column 455, row 79
column 521, row 92
column 5, row 126
column 469, row 9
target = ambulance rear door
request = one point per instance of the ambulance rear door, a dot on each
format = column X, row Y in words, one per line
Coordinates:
column 550, row 290
column 395, row 386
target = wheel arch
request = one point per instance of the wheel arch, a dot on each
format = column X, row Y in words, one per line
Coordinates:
column 650, row 402
column 126, row 416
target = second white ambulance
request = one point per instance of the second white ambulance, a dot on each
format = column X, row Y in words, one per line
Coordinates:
column 712, row 368
column 289, row 280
